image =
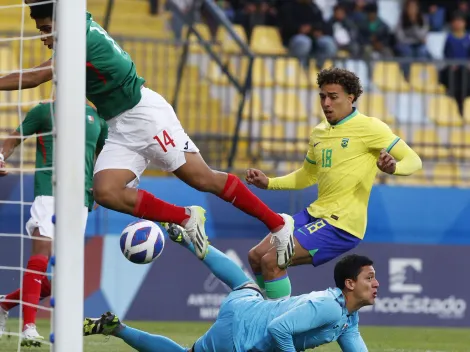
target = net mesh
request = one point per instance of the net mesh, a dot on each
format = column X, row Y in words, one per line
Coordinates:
column 21, row 49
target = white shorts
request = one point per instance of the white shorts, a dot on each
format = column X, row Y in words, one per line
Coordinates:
column 42, row 211
column 150, row 132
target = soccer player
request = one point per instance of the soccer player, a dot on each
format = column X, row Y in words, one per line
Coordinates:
column 144, row 128
column 40, row 227
column 248, row 322
column 344, row 152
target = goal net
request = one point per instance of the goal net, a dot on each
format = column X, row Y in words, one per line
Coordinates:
column 59, row 316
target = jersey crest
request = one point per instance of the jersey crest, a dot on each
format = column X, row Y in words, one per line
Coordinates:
column 344, row 142
column 91, row 119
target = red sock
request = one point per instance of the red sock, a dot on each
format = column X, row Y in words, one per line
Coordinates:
column 240, row 196
column 45, row 288
column 32, row 283
column 15, row 295
column 154, row 209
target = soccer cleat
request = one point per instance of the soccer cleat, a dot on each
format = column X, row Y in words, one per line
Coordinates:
column 3, row 318
column 196, row 232
column 177, row 233
column 104, row 325
column 283, row 240
column 30, row 336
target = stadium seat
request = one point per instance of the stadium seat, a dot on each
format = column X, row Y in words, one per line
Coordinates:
column 288, row 106
column 427, row 144
column 443, row 111
column 274, row 139
column 260, row 74
column 460, row 144
column 388, row 76
column 9, row 121
column 466, row 111
column 373, row 104
column 226, row 41
column 203, row 30
column 424, row 78
column 289, row 73
column 447, row 174
column 253, row 108
column 303, row 136
column 216, row 76
column 267, row 40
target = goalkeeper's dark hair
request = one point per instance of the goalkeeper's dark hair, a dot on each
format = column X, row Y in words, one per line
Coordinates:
column 41, row 11
column 350, row 267
column 346, row 79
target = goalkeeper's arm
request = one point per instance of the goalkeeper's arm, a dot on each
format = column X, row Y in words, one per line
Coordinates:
column 29, row 78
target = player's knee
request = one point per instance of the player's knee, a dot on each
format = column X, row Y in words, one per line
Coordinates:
column 254, row 257
column 269, row 262
column 104, row 194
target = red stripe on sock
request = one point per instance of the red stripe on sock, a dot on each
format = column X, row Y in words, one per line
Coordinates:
column 151, row 208
column 240, row 196
column 32, row 283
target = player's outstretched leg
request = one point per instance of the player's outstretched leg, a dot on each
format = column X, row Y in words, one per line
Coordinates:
column 11, row 300
column 197, row 174
column 110, row 190
column 109, row 324
column 224, row 268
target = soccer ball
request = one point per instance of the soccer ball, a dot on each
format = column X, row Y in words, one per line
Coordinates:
column 142, row 242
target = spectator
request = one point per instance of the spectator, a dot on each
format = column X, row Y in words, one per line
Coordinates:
column 176, row 22
column 436, row 11
column 457, row 47
column 374, row 34
column 250, row 13
column 411, row 34
column 302, row 31
column 343, row 31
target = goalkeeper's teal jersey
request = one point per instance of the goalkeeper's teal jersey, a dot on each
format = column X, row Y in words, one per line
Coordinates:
column 39, row 120
column 112, row 83
column 295, row 324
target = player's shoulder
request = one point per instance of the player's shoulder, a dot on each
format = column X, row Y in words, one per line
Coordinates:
column 321, row 126
column 44, row 107
column 371, row 123
column 327, row 301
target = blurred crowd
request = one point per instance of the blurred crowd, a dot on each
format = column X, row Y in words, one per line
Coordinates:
column 353, row 27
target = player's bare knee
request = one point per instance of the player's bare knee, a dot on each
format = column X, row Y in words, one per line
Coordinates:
column 269, row 262
column 41, row 245
column 253, row 258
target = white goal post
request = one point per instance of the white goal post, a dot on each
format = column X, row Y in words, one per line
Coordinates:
column 68, row 282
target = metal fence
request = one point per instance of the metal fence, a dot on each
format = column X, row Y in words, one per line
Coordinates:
column 282, row 104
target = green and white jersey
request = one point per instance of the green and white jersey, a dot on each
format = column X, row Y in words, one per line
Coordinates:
column 39, row 120
column 112, row 83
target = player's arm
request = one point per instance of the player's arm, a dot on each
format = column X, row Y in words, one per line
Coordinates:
column 29, row 126
column 302, row 318
column 351, row 341
column 379, row 137
column 302, row 178
column 408, row 161
column 30, row 78
column 102, row 137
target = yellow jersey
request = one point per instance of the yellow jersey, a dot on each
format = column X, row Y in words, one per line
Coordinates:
column 345, row 155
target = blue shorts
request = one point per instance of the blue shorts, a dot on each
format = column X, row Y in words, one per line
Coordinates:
column 219, row 338
column 324, row 241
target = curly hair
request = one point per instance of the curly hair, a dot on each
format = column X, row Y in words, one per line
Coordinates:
column 41, row 11
column 346, row 79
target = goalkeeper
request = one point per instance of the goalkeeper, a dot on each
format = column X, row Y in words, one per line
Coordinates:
column 247, row 322
column 36, row 285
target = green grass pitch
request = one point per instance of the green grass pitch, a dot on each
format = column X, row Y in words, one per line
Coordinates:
column 378, row 339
